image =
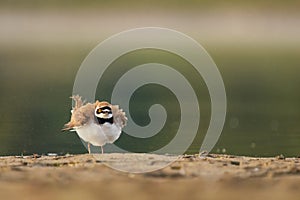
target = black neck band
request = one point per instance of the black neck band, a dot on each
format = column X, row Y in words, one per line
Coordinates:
column 102, row 120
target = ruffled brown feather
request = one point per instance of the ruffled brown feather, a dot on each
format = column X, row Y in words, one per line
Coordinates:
column 119, row 116
column 82, row 113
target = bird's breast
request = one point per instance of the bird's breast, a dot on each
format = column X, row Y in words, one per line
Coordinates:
column 93, row 134
column 111, row 131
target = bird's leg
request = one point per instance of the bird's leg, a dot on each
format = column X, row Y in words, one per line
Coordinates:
column 102, row 150
column 89, row 148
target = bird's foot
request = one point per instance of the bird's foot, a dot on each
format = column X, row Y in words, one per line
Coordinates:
column 89, row 148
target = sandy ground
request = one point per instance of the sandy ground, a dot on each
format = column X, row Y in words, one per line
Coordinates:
column 190, row 177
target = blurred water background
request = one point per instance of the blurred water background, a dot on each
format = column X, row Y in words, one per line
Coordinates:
column 256, row 46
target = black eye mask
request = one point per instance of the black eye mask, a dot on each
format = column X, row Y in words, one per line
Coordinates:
column 104, row 109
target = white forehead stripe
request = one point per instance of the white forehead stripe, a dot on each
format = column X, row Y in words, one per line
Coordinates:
column 104, row 116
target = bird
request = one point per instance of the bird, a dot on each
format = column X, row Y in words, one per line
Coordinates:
column 96, row 123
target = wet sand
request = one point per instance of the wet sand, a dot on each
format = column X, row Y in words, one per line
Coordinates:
column 190, row 177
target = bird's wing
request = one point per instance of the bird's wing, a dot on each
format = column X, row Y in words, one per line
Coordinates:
column 119, row 116
column 83, row 114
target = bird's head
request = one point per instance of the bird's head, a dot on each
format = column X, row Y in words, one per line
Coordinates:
column 103, row 110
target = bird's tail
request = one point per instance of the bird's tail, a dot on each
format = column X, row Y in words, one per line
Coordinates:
column 68, row 127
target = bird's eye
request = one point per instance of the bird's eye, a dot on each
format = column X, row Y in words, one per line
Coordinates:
column 98, row 111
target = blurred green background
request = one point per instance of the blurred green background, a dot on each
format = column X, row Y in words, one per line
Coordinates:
column 256, row 46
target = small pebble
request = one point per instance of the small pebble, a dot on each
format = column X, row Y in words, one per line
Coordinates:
column 280, row 157
column 131, row 175
column 51, row 154
column 234, row 162
column 19, row 156
column 256, row 169
column 176, row 167
column 203, row 154
column 36, row 155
